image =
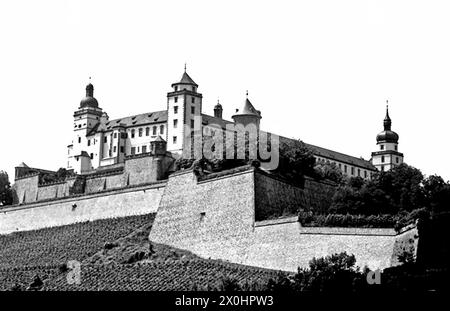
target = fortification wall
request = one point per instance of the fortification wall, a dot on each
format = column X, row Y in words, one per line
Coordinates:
column 216, row 218
column 52, row 191
column 26, row 189
column 318, row 194
column 276, row 197
column 212, row 218
column 117, row 203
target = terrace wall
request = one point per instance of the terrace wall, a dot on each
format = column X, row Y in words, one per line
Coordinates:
column 58, row 212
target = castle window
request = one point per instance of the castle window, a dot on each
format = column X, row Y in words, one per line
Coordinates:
column 138, row 150
column 359, row 172
column 176, row 88
column 345, row 168
column 144, row 149
column 161, row 129
column 193, row 100
column 365, row 174
column 382, row 168
column 396, row 159
column 340, row 166
column 175, row 123
column 92, row 156
column 105, row 139
column 140, row 132
column 353, row 170
column 147, row 131
column 79, row 126
column 193, row 110
column 133, row 150
column 115, row 149
column 176, row 99
column 115, row 135
column 79, row 139
column 89, row 142
column 395, row 147
column 174, row 139
column 382, row 159
column 175, row 109
column 154, row 130
column 193, row 89
column 122, row 149
column 132, row 133
column 192, row 124
column 381, row 147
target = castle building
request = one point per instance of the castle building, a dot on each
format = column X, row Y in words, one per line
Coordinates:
column 101, row 142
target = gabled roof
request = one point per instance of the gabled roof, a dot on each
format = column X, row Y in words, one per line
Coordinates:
column 131, row 121
column 22, row 165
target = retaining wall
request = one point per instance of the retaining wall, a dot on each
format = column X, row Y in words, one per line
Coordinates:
column 108, row 204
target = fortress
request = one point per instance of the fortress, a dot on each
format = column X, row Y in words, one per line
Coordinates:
column 126, row 166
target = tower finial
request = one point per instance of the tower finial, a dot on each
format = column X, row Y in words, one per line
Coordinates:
column 184, row 66
column 246, row 93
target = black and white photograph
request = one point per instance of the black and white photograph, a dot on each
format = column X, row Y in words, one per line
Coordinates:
column 225, row 154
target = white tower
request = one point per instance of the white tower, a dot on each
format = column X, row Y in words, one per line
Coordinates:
column 85, row 119
column 184, row 107
column 387, row 155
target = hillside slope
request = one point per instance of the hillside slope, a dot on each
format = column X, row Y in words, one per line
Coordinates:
column 115, row 254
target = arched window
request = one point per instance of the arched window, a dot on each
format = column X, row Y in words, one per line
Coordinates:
column 147, row 131
column 161, row 129
column 132, row 133
column 140, row 132
column 154, row 130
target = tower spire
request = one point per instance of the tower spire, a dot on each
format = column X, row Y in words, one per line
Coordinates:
column 387, row 120
column 184, row 66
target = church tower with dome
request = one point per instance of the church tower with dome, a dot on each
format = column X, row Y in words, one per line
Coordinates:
column 387, row 155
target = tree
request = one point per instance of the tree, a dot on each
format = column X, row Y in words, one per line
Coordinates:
column 329, row 171
column 296, row 159
column 334, row 273
column 437, row 193
column 6, row 195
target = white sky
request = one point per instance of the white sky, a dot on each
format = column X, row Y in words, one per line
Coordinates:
column 318, row 70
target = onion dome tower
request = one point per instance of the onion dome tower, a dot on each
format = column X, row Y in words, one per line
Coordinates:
column 387, row 155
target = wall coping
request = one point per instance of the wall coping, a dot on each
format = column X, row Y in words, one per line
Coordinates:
column 225, row 174
column 271, row 222
column 73, row 198
column 348, row 231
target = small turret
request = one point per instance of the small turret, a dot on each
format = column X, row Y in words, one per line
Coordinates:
column 218, row 110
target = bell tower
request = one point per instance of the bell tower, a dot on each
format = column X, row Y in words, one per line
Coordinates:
column 387, row 155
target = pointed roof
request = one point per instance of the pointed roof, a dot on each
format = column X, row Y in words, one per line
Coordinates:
column 186, row 79
column 387, row 120
column 22, row 165
column 249, row 110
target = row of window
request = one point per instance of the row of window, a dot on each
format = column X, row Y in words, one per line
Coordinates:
column 175, row 109
column 175, row 123
column 192, row 88
column 382, row 147
column 147, row 131
column 344, row 168
column 397, row 160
